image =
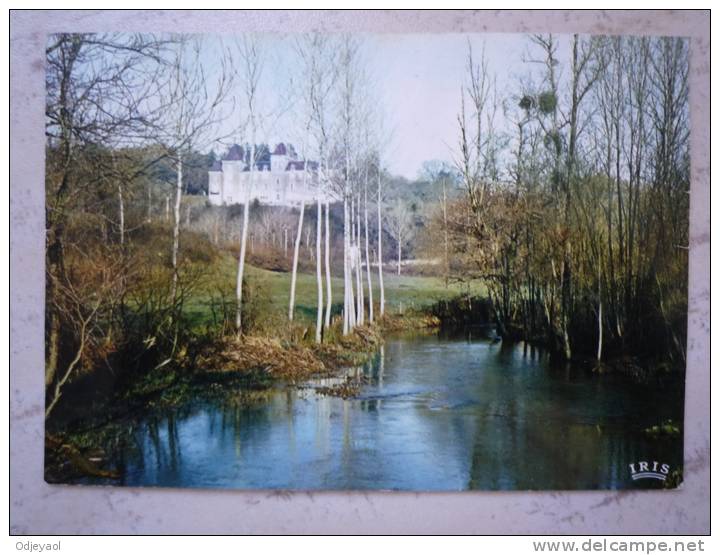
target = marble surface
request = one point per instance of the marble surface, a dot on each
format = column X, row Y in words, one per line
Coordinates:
column 39, row 508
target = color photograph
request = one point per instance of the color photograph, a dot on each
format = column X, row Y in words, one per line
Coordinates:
column 366, row 261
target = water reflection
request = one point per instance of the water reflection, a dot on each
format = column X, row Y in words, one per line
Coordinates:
column 435, row 413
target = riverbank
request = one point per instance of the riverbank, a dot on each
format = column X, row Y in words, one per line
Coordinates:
column 236, row 370
column 464, row 312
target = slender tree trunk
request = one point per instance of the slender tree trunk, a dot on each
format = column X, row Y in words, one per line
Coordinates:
column 318, row 266
column 296, row 254
column 83, row 337
column 445, row 226
column 167, row 208
column 600, row 325
column 346, row 311
column 380, row 253
column 243, row 242
column 565, row 301
column 328, row 276
column 358, row 267
column 55, row 270
column 367, row 259
column 121, row 209
column 399, row 253
column 351, row 263
column 176, row 226
column 349, row 310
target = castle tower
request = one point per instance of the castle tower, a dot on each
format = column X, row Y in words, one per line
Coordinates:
column 215, row 183
column 279, row 158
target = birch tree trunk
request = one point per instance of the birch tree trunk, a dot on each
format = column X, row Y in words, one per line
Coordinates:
column 380, row 253
column 351, row 287
column 296, row 254
column 358, row 265
column 318, row 266
column 176, row 226
column 243, row 242
column 600, row 315
column 445, row 226
column 121, row 210
column 346, row 248
column 328, row 276
column 399, row 253
column 367, row 259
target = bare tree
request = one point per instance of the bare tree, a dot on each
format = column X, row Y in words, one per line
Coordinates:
column 318, row 273
column 100, row 91
column 328, row 276
column 439, row 171
column 379, row 239
column 368, row 168
column 351, row 100
column 193, row 111
column 400, row 225
column 296, row 252
column 360, row 310
column 317, row 77
column 251, row 59
column 85, row 301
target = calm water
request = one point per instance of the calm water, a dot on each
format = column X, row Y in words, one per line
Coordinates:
column 437, row 414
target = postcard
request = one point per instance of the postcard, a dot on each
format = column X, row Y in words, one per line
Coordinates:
column 327, row 261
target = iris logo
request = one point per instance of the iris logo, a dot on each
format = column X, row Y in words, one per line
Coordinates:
column 651, row 470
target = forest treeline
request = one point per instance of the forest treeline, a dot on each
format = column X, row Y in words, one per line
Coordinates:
column 576, row 196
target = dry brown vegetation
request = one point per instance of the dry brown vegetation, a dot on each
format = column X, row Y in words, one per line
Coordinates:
column 297, row 359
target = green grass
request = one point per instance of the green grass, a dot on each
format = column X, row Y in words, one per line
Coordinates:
column 273, row 288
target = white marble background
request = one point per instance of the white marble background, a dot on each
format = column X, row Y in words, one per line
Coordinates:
column 39, row 508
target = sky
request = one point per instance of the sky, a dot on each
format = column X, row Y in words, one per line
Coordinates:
column 417, row 79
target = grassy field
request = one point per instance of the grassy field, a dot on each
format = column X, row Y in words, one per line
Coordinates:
column 273, row 291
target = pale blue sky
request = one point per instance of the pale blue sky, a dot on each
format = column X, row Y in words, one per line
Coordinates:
column 416, row 79
column 419, row 79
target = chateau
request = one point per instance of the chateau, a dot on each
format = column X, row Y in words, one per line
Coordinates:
column 280, row 179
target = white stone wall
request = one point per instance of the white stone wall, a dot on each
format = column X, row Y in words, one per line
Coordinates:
column 272, row 187
column 215, row 185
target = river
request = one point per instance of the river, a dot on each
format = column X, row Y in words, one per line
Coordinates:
column 436, row 413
